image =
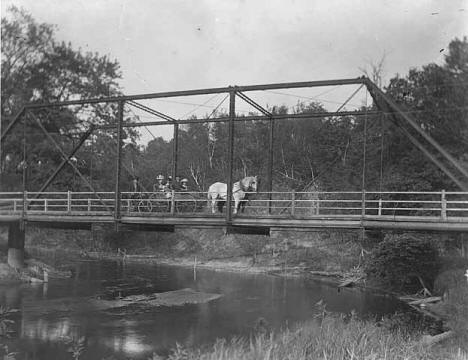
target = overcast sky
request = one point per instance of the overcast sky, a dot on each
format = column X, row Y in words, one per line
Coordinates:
column 165, row 45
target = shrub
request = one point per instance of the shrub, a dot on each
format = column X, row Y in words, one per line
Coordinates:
column 403, row 262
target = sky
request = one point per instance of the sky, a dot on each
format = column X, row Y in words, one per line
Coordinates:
column 166, row 45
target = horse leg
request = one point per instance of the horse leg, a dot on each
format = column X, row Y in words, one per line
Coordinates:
column 236, row 205
column 242, row 206
column 220, row 205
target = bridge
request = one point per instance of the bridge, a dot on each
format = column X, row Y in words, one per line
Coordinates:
column 104, row 118
column 429, row 211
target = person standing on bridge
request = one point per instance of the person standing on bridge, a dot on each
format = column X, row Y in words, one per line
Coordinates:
column 135, row 190
column 135, row 186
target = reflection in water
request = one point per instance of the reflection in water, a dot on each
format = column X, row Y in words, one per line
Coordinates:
column 131, row 343
column 59, row 312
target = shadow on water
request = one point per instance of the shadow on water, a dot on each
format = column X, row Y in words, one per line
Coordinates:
column 57, row 318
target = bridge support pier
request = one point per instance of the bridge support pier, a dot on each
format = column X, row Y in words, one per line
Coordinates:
column 464, row 245
column 16, row 245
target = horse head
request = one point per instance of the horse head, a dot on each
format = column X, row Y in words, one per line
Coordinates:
column 250, row 183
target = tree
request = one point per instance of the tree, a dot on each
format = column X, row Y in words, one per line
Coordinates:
column 36, row 68
column 436, row 95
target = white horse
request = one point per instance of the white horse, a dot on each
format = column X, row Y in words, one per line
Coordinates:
column 217, row 193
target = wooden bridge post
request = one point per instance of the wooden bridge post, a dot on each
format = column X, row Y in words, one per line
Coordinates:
column 443, row 203
column 172, row 202
column 363, row 200
column 69, row 195
column 293, row 203
column 16, row 245
column 25, row 204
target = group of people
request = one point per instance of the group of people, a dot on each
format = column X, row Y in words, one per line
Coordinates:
column 163, row 184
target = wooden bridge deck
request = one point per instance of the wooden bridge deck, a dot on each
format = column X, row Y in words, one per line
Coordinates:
column 434, row 211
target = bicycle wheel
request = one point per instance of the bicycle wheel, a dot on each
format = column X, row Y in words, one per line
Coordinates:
column 159, row 203
column 144, row 206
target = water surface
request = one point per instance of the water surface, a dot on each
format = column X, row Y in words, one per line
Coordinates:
column 54, row 317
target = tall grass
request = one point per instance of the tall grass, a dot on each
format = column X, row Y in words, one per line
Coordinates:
column 328, row 337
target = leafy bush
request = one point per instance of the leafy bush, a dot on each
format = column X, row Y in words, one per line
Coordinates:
column 403, row 262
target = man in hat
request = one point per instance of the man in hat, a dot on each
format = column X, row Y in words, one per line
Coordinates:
column 160, row 184
column 184, row 184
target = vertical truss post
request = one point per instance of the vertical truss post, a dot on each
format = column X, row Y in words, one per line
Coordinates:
column 271, row 139
column 270, row 143
column 175, row 152
column 24, row 165
column 119, row 163
column 232, row 115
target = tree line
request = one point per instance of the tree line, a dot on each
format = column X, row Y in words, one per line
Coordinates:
column 325, row 153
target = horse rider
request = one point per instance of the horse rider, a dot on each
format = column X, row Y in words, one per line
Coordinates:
column 184, row 184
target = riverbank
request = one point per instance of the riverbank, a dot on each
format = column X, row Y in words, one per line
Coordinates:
column 331, row 257
column 328, row 336
column 34, row 271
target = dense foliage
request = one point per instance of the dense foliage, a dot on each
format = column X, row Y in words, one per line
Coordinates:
column 36, row 68
column 326, row 153
column 404, row 262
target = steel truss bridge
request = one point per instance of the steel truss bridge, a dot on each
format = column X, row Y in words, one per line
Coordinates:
column 445, row 211
column 438, row 211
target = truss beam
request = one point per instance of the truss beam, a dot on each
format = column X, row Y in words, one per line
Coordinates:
column 291, row 85
column 251, row 118
column 152, row 111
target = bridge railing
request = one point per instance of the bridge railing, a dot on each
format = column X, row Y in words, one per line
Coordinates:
column 11, row 202
column 57, row 202
column 304, row 204
column 418, row 204
column 441, row 205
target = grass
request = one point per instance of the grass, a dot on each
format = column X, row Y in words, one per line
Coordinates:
column 329, row 336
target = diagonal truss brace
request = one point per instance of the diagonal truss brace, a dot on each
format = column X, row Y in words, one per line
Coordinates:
column 65, row 161
column 12, row 123
column 152, row 111
column 393, row 106
column 387, row 105
column 65, row 157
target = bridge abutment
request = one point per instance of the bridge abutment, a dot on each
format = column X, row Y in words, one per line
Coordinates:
column 464, row 245
column 16, row 245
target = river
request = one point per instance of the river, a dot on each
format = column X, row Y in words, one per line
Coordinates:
column 54, row 318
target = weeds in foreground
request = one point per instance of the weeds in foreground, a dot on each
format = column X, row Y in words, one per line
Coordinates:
column 328, row 336
column 5, row 322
